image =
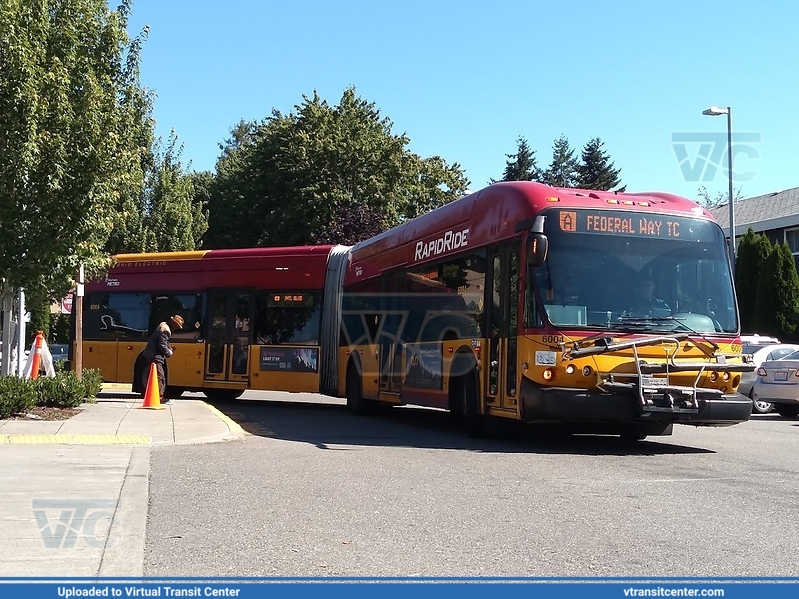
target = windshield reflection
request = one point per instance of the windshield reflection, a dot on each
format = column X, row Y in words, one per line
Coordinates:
column 631, row 281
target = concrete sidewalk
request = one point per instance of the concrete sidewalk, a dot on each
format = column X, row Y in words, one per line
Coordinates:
column 117, row 417
column 74, row 493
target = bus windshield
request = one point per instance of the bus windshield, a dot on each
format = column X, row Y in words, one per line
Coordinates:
column 631, row 271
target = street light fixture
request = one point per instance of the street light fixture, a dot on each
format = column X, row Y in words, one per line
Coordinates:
column 716, row 111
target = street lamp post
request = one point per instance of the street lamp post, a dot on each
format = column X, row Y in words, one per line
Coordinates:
column 716, row 111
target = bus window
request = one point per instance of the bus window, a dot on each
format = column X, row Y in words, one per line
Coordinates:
column 187, row 305
column 459, row 286
column 117, row 316
column 287, row 318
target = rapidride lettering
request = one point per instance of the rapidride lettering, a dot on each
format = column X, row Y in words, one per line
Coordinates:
column 451, row 240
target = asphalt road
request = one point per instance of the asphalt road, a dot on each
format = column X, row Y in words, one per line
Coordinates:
column 315, row 491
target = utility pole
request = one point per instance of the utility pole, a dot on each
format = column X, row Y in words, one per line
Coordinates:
column 77, row 311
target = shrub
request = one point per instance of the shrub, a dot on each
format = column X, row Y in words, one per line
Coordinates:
column 93, row 383
column 61, row 391
column 16, row 395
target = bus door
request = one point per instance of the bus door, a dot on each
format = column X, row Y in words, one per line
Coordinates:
column 502, row 311
column 230, row 334
column 392, row 334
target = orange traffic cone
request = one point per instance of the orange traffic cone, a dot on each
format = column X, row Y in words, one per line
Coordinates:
column 152, row 397
column 37, row 355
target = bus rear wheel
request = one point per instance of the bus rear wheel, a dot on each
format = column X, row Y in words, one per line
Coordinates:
column 476, row 421
column 223, row 395
column 355, row 400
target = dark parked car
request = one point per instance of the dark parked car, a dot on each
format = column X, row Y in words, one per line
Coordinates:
column 59, row 351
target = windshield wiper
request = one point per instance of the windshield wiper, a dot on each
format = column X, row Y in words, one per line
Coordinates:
column 642, row 320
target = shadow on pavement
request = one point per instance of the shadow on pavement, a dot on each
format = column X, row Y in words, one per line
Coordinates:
column 329, row 426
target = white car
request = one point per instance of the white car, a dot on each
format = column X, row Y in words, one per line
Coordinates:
column 762, row 353
column 777, row 382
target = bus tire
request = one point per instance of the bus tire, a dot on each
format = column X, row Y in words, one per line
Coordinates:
column 173, row 392
column 355, row 400
column 476, row 421
column 223, row 395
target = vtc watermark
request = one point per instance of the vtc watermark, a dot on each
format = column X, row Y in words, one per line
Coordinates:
column 711, row 154
column 63, row 521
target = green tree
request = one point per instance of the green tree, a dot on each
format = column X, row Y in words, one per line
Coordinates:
column 596, row 171
column 522, row 165
column 174, row 220
column 39, row 309
column 778, row 294
column 298, row 178
column 562, row 171
column 753, row 250
column 67, row 151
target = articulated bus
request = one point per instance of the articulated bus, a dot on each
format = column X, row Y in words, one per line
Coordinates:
column 252, row 318
column 608, row 312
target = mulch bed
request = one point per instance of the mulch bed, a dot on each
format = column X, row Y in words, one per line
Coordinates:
column 45, row 413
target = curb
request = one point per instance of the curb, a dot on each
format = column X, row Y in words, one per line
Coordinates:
column 234, row 428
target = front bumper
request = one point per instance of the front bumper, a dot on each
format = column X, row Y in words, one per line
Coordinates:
column 569, row 405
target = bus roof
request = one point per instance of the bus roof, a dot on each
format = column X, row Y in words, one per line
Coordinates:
column 489, row 216
column 287, row 268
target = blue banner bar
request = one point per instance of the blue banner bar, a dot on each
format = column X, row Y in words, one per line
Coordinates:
column 363, row 588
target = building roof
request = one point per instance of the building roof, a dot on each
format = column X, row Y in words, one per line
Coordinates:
column 776, row 210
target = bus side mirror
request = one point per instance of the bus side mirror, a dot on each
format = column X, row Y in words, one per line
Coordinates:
column 537, row 247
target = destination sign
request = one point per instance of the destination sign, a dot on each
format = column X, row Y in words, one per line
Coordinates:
column 633, row 224
column 290, row 299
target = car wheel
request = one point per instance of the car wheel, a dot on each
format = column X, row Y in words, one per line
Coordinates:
column 760, row 407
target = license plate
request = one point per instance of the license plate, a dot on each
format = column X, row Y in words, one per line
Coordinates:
column 651, row 381
column 781, row 375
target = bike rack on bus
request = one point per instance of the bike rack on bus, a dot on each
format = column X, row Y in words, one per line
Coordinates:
column 649, row 388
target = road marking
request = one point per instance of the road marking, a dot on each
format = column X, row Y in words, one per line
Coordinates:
column 233, row 426
column 23, row 439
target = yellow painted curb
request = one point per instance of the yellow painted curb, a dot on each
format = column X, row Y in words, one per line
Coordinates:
column 233, row 426
column 23, row 439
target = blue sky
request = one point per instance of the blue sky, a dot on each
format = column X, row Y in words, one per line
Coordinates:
column 465, row 79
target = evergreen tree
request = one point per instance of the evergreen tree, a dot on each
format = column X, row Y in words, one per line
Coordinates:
column 596, row 171
column 562, row 171
column 778, row 294
column 522, row 165
column 753, row 250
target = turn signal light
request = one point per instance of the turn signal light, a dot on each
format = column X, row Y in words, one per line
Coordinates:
column 762, row 371
column 714, row 377
column 548, row 374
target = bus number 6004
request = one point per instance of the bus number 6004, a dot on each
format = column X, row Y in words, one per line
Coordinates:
column 556, row 339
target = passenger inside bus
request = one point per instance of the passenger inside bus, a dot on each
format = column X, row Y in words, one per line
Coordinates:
column 240, row 355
